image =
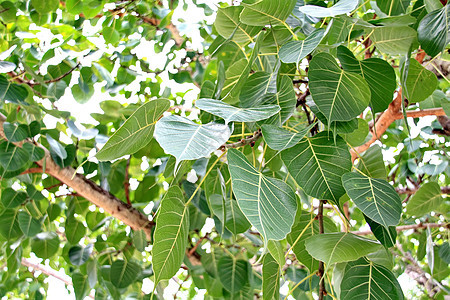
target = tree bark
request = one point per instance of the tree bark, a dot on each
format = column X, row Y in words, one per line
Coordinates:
column 91, row 191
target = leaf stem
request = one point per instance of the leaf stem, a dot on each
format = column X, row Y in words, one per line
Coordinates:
column 300, row 282
column 299, row 237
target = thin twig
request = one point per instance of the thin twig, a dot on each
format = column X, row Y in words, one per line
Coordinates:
column 126, row 183
column 63, row 75
column 248, row 141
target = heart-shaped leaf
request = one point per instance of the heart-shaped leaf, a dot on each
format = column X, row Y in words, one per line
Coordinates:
column 379, row 75
column 271, row 278
column 428, row 198
column 29, row 225
column 45, row 244
column 12, row 158
column 371, row 163
column 187, row 140
column 376, row 198
column 264, row 12
column 339, row 95
column 393, row 7
column 434, row 31
column 317, row 165
column 232, row 273
column 394, row 39
column 235, row 114
column 420, row 82
column 364, row 279
column 124, row 272
column 268, row 203
column 228, row 25
column 136, row 132
column 339, row 247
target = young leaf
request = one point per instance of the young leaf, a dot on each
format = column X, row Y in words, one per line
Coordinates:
column 171, row 235
column 339, row 247
column 428, row 198
column 261, row 13
column 268, row 203
column 136, row 132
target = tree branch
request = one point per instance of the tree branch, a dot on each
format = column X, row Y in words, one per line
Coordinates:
column 49, row 272
column 408, row 191
column 390, row 115
column 408, row 227
column 92, row 192
column 248, row 141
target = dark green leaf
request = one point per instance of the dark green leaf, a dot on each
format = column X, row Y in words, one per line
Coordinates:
column 232, row 273
column 123, row 273
column 45, row 244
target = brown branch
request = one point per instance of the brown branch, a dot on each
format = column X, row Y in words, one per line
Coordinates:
column 63, row 75
column 92, row 192
column 248, row 141
column 408, row 227
column 408, row 191
column 49, row 272
column 390, row 115
column 32, row 170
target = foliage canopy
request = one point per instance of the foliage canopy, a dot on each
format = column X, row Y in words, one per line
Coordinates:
column 230, row 159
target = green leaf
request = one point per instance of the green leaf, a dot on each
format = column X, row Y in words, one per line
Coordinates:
column 256, row 87
column 171, row 235
column 339, row 127
column 284, row 98
column 15, row 133
column 365, row 280
column 296, row 51
column 136, row 132
column 75, row 230
column 279, row 139
column 36, row 153
column 111, row 35
column 386, row 236
column 78, row 255
column 264, row 12
column 434, row 31
column 420, row 82
column 139, row 240
column 357, row 137
column 56, row 147
column 301, row 230
column 340, row 8
column 271, row 278
column 123, row 273
column 268, row 203
column 29, row 225
column 187, row 140
column 340, row 29
column 339, row 95
column 296, row 275
column 12, row 198
column 393, row 7
column 45, row 244
column 9, row 227
column 45, row 6
column 317, row 165
column 232, row 273
column 339, row 247
column 376, row 198
column 394, row 39
column 371, row 163
column 428, row 198
column 80, row 285
column 236, row 222
column 235, row 114
column 227, row 22
column 237, row 74
column 12, row 158
column 378, row 73
column 276, row 250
